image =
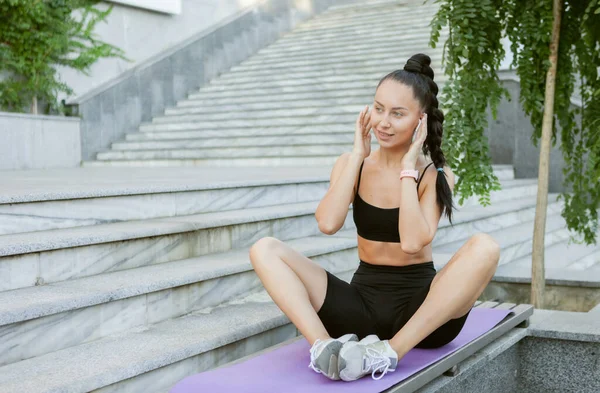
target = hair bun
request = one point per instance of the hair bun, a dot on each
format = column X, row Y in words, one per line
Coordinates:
column 419, row 64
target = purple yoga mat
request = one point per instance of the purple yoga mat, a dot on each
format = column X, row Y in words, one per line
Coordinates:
column 286, row 369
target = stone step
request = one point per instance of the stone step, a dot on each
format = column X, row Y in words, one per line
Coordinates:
column 311, row 65
column 257, row 108
column 515, row 241
column 153, row 358
column 144, row 194
column 113, row 303
column 337, row 129
column 63, row 254
column 375, row 20
column 590, row 262
column 333, row 72
column 369, row 17
column 347, row 9
column 380, row 40
column 564, row 264
column 381, row 46
column 275, row 114
column 418, row 42
column 502, row 213
column 410, row 31
column 560, row 256
column 285, row 150
column 253, row 141
column 314, row 120
column 216, row 99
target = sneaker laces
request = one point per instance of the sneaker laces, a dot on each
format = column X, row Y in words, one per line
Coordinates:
column 378, row 362
column 313, row 350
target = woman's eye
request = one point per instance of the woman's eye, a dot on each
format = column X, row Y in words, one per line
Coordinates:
column 378, row 109
column 398, row 113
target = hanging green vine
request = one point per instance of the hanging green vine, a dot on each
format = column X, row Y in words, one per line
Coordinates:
column 472, row 56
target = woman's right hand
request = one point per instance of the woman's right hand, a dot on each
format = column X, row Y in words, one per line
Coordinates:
column 362, row 134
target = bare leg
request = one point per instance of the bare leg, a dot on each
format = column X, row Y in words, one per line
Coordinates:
column 295, row 283
column 453, row 291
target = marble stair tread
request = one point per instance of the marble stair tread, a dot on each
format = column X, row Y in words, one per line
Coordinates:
column 557, row 261
column 33, row 302
column 301, row 61
column 190, row 107
column 100, row 363
column 359, row 6
column 311, row 141
column 315, row 53
column 250, row 141
column 340, row 109
column 415, row 21
column 22, row 243
column 235, row 135
column 232, row 152
column 74, row 183
column 475, row 212
column 238, row 133
column 509, row 235
column 333, row 17
column 359, row 34
column 197, row 98
column 345, row 79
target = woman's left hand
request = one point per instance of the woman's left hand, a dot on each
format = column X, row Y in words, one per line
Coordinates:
column 410, row 158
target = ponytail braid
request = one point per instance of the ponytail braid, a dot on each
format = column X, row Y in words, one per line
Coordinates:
column 418, row 74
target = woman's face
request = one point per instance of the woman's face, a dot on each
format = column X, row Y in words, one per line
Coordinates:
column 395, row 113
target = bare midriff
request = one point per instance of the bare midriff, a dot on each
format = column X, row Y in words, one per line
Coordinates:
column 384, row 253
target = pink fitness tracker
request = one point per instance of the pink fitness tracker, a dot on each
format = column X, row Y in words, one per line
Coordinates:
column 410, row 173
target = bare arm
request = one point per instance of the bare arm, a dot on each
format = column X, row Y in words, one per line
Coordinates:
column 419, row 219
column 333, row 208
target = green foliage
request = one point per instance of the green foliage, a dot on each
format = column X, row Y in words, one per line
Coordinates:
column 472, row 56
column 38, row 35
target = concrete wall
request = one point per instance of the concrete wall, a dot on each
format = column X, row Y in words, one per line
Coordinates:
column 510, row 140
column 119, row 106
column 31, row 142
column 143, row 33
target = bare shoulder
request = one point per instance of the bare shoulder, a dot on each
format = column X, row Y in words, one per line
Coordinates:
column 430, row 176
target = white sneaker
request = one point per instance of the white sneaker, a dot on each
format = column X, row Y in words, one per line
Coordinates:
column 369, row 356
column 324, row 355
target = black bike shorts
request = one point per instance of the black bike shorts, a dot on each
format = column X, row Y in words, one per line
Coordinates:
column 380, row 300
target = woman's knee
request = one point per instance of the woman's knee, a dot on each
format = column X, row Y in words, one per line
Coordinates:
column 486, row 244
column 263, row 246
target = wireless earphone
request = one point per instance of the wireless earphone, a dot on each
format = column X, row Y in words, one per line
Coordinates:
column 416, row 130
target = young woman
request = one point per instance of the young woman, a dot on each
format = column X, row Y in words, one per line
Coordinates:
column 396, row 299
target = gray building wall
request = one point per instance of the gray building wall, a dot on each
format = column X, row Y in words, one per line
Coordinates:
column 144, row 33
column 36, row 142
column 510, row 141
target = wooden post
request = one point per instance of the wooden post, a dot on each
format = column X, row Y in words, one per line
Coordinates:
column 537, row 263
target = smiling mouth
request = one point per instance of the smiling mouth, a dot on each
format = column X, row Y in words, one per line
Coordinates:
column 385, row 133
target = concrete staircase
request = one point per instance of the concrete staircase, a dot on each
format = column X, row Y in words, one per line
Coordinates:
column 295, row 102
column 157, row 285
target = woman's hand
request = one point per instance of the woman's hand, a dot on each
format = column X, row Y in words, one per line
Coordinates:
column 362, row 134
column 410, row 158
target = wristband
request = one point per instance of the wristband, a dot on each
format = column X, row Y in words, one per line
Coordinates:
column 410, row 173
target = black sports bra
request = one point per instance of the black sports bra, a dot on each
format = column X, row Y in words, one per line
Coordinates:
column 376, row 223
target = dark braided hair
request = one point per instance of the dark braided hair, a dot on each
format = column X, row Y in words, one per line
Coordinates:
column 418, row 75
